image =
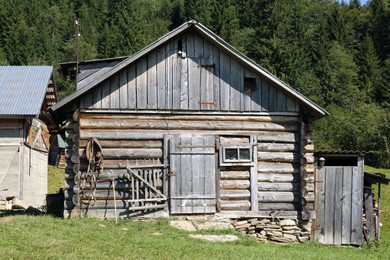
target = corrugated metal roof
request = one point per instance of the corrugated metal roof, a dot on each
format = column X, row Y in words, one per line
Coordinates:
column 23, row 88
column 341, row 152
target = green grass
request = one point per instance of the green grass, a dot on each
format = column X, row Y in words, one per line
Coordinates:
column 55, row 179
column 377, row 170
column 46, row 237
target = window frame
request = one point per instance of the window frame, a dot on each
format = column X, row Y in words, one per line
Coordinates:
column 223, row 161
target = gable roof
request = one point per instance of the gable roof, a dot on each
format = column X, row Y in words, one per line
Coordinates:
column 23, row 89
column 97, row 78
column 88, row 68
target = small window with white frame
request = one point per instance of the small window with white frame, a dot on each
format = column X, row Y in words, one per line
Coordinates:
column 236, row 155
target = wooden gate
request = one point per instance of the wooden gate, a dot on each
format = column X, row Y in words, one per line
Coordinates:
column 339, row 202
column 192, row 175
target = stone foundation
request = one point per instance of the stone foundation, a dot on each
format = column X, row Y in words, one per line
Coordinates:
column 280, row 231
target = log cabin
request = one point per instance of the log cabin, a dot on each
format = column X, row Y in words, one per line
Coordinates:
column 25, row 94
column 188, row 125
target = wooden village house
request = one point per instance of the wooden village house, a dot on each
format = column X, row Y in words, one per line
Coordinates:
column 25, row 94
column 189, row 125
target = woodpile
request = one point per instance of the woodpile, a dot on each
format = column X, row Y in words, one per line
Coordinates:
column 279, row 231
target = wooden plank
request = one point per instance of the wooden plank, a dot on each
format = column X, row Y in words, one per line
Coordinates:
column 272, row 105
column 369, row 213
column 209, row 173
column 236, row 86
column 338, row 197
column 256, row 104
column 152, row 80
column 142, row 83
column 106, row 90
column 253, row 178
column 184, row 87
column 216, row 78
column 281, row 101
column 123, row 95
column 271, row 186
column 282, row 196
column 193, row 74
column 247, row 94
column 132, row 87
column 86, row 100
column 235, row 175
column 330, row 179
column 265, row 95
column 186, row 172
column 224, row 81
column 135, row 153
column 278, row 168
column 357, row 205
column 278, row 137
column 278, row 147
column 161, row 78
column 234, row 184
column 291, row 105
column 126, row 143
column 278, row 177
column 169, row 52
column 235, row 205
column 114, row 95
column 319, row 222
column 278, row 157
column 201, row 116
column 97, row 97
column 235, row 194
column 207, row 78
column 176, row 74
column 279, row 206
column 186, row 124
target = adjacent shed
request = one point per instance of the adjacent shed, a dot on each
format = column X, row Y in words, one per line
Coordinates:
column 346, row 212
column 25, row 93
column 188, row 125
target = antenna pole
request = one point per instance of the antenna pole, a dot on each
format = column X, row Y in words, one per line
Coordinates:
column 77, row 49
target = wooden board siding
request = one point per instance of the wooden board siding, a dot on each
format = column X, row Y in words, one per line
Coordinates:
column 199, row 77
column 9, row 170
column 339, row 205
column 139, row 139
column 35, row 177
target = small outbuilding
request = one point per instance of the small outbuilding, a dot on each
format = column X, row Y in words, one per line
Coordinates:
column 25, row 94
column 346, row 212
column 189, row 125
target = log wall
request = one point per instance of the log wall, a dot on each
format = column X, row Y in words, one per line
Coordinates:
column 136, row 139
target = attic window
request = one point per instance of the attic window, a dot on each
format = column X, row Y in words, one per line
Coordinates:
column 249, row 84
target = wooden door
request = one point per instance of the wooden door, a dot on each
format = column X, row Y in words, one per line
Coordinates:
column 192, row 175
column 339, row 202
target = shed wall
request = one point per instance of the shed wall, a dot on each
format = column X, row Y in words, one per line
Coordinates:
column 11, row 136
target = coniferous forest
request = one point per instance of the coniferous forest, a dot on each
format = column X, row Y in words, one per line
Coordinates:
column 336, row 54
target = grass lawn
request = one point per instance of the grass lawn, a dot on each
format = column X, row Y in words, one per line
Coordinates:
column 55, row 179
column 46, row 237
